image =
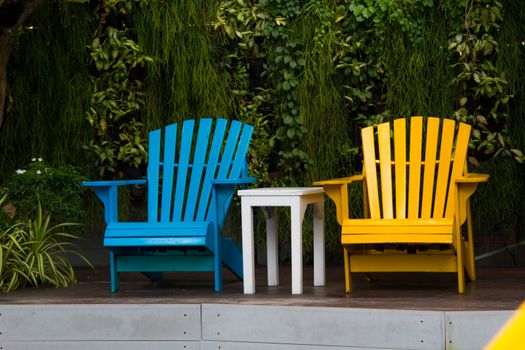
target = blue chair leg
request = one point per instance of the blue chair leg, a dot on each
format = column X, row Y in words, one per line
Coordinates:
column 115, row 282
column 217, row 263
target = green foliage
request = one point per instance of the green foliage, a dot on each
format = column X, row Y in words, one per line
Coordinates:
column 48, row 88
column 58, row 188
column 33, row 253
column 119, row 137
column 484, row 92
column 184, row 82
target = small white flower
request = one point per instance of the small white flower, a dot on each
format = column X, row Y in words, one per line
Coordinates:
column 38, row 172
column 20, row 171
column 39, row 159
column 33, row 159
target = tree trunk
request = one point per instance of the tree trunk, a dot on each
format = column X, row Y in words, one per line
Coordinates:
column 26, row 7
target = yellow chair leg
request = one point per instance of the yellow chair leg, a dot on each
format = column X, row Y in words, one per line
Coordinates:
column 348, row 277
column 472, row 270
column 459, row 248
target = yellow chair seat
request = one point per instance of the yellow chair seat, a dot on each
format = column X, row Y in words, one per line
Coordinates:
column 363, row 231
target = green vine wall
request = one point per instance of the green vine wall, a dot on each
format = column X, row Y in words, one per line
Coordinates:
column 308, row 74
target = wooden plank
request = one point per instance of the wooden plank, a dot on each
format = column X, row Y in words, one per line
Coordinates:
column 414, row 175
column 400, row 167
column 211, row 169
column 369, row 159
column 153, row 174
column 201, row 149
column 445, row 155
column 395, row 238
column 182, row 170
column 398, row 225
column 403, row 263
column 383, row 139
column 154, row 241
column 229, row 149
column 102, row 345
column 460, row 156
column 80, row 322
column 240, row 154
column 323, row 326
column 158, row 263
column 170, row 145
column 146, row 229
column 430, row 166
column 473, row 329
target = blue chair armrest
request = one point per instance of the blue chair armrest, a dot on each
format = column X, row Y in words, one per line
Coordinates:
column 114, row 183
column 107, row 192
column 223, row 190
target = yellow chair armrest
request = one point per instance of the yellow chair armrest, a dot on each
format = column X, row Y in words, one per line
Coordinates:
column 472, row 177
column 339, row 181
column 337, row 190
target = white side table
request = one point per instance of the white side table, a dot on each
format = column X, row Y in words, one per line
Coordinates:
column 297, row 198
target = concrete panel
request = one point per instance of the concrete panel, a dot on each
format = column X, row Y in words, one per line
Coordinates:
column 472, row 329
column 102, row 345
column 392, row 329
column 100, row 322
column 216, row 345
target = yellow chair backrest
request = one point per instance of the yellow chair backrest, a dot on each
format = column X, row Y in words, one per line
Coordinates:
column 413, row 184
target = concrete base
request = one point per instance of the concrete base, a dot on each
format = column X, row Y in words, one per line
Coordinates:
column 235, row 327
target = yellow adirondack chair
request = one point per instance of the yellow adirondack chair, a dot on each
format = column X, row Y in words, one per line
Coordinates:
column 408, row 224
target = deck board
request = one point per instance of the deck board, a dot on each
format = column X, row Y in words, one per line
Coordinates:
column 496, row 289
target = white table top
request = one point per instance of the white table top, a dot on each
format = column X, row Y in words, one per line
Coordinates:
column 280, row 191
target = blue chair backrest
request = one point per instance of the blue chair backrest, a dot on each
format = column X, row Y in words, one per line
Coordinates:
column 179, row 183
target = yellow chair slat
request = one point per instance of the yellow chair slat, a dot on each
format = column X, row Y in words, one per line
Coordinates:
column 420, row 238
column 403, row 263
column 413, row 226
column 430, row 166
column 383, row 140
column 414, row 174
column 369, row 157
column 445, row 155
column 400, row 166
column 460, row 155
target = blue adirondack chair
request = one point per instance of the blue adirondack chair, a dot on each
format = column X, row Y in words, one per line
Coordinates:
column 189, row 193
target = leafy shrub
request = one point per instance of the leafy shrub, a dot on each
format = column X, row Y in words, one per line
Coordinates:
column 34, row 253
column 58, row 189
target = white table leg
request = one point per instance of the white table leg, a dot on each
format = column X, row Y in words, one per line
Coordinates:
column 272, row 252
column 297, row 209
column 248, row 256
column 319, row 257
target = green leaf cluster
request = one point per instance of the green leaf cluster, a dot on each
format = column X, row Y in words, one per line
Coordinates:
column 119, row 137
column 33, row 253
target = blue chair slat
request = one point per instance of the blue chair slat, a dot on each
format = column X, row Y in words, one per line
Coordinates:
column 229, row 149
column 211, row 168
column 201, row 148
column 153, row 175
column 240, row 156
column 182, row 216
column 161, row 229
column 170, row 144
column 182, row 169
column 155, row 242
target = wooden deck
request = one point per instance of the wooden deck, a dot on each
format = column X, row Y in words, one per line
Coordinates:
column 496, row 289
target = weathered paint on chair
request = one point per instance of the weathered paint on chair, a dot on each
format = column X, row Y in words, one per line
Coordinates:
column 191, row 181
column 426, row 210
